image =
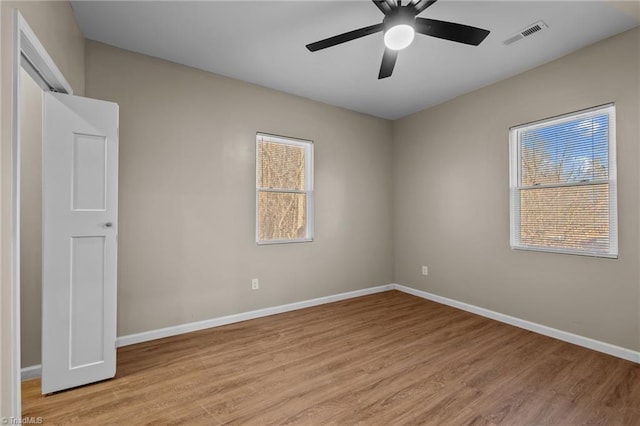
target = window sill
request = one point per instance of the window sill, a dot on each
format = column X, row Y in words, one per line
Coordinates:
column 571, row 252
column 271, row 242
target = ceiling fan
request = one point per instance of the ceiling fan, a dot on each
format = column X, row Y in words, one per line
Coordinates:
column 400, row 24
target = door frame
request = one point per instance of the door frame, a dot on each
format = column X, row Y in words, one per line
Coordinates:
column 28, row 54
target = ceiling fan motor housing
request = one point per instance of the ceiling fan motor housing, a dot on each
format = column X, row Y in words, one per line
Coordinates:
column 400, row 16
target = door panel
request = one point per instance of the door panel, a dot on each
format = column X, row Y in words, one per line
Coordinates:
column 80, row 205
column 89, row 172
column 86, row 313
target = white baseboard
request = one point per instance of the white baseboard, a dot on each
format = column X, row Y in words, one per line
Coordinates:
column 230, row 319
column 32, row 372
column 607, row 348
column 576, row 339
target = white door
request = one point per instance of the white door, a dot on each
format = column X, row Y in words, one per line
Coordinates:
column 80, row 226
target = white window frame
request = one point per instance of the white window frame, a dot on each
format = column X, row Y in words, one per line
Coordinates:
column 515, row 174
column 308, row 184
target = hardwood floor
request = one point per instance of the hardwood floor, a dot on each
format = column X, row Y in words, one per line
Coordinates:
column 384, row 359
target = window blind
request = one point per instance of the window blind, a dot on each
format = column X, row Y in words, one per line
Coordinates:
column 284, row 190
column 563, row 187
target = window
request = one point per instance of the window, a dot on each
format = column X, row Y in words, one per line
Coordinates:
column 284, row 189
column 563, row 184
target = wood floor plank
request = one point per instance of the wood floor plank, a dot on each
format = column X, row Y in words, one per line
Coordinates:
column 384, row 359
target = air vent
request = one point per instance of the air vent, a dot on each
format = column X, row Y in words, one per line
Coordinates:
column 530, row 30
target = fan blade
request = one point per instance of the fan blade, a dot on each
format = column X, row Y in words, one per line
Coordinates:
column 421, row 5
column 450, row 31
column 383, row 5
column 388, row 63
column 343, row 38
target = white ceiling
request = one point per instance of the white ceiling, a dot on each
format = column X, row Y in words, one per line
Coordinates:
column 263, row 42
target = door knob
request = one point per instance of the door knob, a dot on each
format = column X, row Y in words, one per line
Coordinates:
column 108, row 224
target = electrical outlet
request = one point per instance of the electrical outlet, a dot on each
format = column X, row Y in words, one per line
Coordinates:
column 255, row 284
column 425, row 270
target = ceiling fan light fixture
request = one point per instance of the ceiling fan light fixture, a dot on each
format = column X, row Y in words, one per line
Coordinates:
column 400, row 24
column 399, row 36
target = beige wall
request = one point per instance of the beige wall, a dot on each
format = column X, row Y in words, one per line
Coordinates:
column 186, row 237
column 31, row 221
column 55, row 26
column 451, row 198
